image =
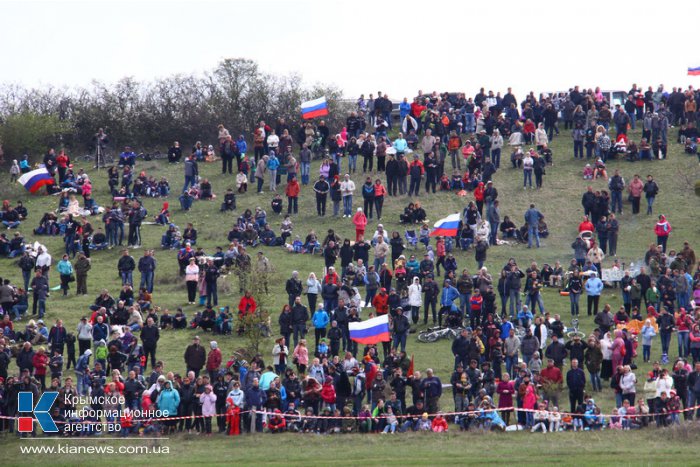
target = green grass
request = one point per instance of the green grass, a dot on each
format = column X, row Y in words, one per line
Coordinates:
column 559, row 201
column 589, row 448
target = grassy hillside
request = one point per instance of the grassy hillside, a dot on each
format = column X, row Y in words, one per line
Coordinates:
column 559, row 201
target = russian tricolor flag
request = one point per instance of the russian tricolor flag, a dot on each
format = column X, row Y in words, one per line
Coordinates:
column 694, row 71
column 372, row 331
column 447, row 227
column 35, row 179
column 314, row 108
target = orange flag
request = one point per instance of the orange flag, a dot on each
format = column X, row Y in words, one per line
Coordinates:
column 410, row 367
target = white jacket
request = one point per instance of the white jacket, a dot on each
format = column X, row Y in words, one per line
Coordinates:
column 543, row 333
column 541, row 137
column 415, row 297
column 664, row 385
column 347, row 188
column 515, row 139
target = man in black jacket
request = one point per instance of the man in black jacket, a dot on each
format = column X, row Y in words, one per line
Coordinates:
column 195, row 356
column 149, row 337
column 137, row 214
column 300, row 315
column 293, row 288
column 401, row 328
column 321, row 187
column 576, row 381
column 588, row 201
column 126, row 266
column 431, row 291
column 460, row 349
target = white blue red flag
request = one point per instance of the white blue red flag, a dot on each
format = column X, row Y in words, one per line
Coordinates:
column 315, row 108
column 447, row 227
column 371, row 331
column 35, row 179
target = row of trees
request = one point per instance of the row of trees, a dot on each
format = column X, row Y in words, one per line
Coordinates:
column 151, row 115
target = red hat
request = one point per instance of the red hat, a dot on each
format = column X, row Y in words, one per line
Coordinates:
column 651, row 309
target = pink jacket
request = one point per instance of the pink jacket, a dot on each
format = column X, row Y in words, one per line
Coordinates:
column 208, row 404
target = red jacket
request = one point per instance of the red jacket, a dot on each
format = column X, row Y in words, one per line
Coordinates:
column 417, row 163
column 381, row 303
column 552, row 374
column 379, row 190
column 479, row 192
column 417, row 109
column 40, row 363
column 246, row 305
column 292, row 190
column 662, row 228
column 586, row 225
column 214, row 360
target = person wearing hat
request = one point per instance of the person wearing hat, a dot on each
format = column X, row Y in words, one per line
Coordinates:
column 195, row 356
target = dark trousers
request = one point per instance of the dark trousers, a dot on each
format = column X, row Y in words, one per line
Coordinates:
column 226, row 164
column 392, row 186
column 430, row 303
column 150, row 350
column 134, row 234
column 292, row 204
column 378, row 204
column 593, row 303
column 191, row 291
column 575, row 398
column 368, row 206
column 414, row 187
column 321, row 205
column 367, row 164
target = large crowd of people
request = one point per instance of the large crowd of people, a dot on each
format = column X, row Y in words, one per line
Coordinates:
column 511, row 356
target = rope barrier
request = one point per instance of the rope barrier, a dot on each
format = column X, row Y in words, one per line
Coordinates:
column 444, row 414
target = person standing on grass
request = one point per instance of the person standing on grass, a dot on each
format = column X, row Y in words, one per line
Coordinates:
column 82, row 266
column 292, row 191
column 662, row 231
column 321, row 188
column 576, row 382
column 594, row 287
column 651, row 189
column 65, row 269
column 533, row 217
column 150, row 335
column 191, row 170
column 635, row 189
column 147, row 268
column 347, row 188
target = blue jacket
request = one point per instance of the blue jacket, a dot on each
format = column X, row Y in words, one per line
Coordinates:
column 648, row 333
column 64, row 267
column 273, row 163
column 449, row 295
column 168, row 400
column 320, row 319
column 404, row 109
column 532, row 217
column 242, row 146
column 594, row 286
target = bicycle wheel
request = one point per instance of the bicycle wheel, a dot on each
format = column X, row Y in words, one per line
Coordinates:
column 427, row 337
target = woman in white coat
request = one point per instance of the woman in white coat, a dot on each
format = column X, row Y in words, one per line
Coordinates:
column 664, row 384
column 415, row 299
column 540, row 333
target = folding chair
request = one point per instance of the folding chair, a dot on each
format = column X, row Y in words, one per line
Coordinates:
column 411, row 238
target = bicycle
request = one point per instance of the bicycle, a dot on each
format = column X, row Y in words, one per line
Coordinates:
column 436, row 333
